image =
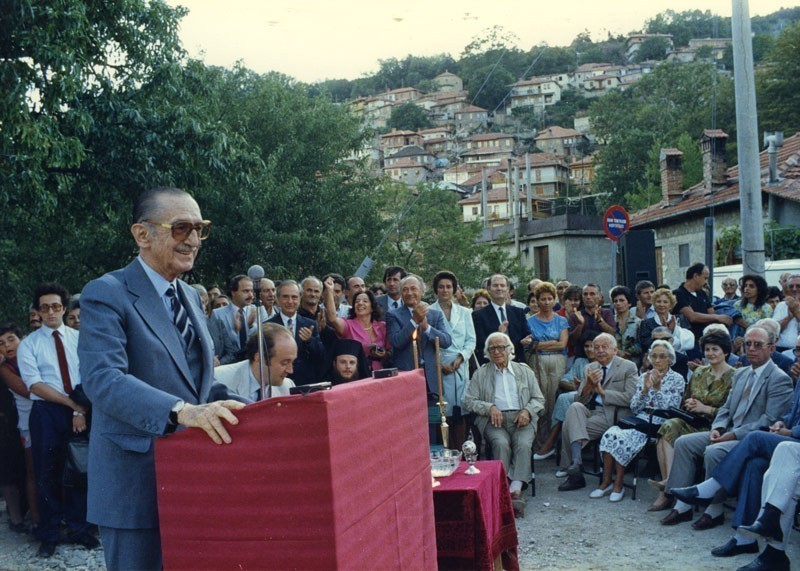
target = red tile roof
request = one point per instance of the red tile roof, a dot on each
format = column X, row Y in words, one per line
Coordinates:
column 697, row 199
column 556, row 132
column 489, row 136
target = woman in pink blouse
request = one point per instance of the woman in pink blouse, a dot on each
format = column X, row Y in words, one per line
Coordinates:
column 363, row 324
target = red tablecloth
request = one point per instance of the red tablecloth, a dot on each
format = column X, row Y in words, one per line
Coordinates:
column 475, row 519
column 335, row 480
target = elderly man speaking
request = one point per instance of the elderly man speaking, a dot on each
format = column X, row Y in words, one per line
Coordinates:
column 506, row 397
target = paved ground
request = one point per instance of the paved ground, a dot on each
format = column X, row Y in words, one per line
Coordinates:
column 561, row 530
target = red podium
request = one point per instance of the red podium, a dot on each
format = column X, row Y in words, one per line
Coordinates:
column 338, row 479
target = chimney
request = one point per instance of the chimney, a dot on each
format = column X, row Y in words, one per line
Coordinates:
column 712, row 145
column 671, row 175
column 773, row 141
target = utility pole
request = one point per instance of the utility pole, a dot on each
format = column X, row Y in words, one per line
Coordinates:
column 750, row 211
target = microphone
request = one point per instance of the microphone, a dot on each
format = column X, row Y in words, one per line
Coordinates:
column 256, row 273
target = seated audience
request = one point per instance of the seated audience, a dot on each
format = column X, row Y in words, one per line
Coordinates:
column 761, row 393
column 506, row 398
column 708, row 390
column 602, row 399
column 658, row 388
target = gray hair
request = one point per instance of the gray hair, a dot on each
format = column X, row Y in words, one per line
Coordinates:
column 495, row 335
column 771, row 326
column 285, row 283
column 661, row 330
column 309, row 278
column 608, row 337
column 754, row 328
column 717, row 327
column 668, row 346
column 413, row 277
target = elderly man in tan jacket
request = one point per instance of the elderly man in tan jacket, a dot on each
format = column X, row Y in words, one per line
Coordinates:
column 602, row 399
column 507, row 399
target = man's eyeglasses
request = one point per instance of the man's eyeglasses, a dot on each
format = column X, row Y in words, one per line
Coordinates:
column 181, row 230
column 498, row 348
column 755, row 344
column 48, row 307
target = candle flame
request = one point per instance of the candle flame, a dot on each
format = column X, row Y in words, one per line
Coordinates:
column 414, row 335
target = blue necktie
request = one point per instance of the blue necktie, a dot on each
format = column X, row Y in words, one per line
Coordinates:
column 179, row 316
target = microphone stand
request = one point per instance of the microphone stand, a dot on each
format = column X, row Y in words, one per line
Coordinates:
column 260, row 333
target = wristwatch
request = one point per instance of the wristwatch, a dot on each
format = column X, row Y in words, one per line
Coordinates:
column 173, row 414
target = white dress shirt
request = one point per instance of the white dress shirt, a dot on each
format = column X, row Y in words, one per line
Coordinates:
column 38, row 361
column 505, row 390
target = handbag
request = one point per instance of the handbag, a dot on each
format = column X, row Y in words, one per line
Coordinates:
column 636, row 423
column 76, row 465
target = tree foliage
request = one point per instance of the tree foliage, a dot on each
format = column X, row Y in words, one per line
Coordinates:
column 652, row 49
column 262, row 157
column 684, row 26
column 408, row 117
column 673, row 100
column 777, row 90
column 428, row 235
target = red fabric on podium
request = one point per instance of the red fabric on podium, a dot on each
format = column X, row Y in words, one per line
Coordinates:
column 475, row 519
column 336, row 479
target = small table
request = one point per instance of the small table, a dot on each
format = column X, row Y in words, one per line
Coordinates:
column 475, row 525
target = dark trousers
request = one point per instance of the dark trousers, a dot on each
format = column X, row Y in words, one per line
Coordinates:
column 741, row 473
column 51, row 428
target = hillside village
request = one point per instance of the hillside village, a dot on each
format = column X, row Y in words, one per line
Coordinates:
column 528, row 187
column 469, row 146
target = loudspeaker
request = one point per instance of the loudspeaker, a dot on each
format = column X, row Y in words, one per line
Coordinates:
column 637, row 251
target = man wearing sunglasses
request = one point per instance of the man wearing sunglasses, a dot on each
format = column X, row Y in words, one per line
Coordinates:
column 48, row 363
column 760, row 395
column 146, row 361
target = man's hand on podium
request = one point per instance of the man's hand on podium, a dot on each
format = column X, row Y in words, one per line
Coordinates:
column 207, row 417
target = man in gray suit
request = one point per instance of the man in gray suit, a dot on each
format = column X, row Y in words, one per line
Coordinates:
column 231, row 325
column 146, row 363
column 415, row 315
column 603, row 398
column 760, row 396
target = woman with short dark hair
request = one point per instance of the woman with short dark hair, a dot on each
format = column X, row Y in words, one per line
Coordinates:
column 708, row 390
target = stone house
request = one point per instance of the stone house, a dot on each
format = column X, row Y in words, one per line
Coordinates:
column 397, row 139
column 538, row 93
column 559, row 141
column 678, row 219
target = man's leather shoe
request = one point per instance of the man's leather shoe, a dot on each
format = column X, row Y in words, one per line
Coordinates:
column 771, row 559
column 85, row 539
column 674, row 517
column 46, row 550
column 732, row 548
column 761, row 530
column 573, row 483
column 705, row 521
column 689, row 496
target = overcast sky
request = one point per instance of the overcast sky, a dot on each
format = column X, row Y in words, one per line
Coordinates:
column 322, row 39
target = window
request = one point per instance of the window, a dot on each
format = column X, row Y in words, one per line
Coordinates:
column 474, row 210
column 541, row 258
column 683, row 256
